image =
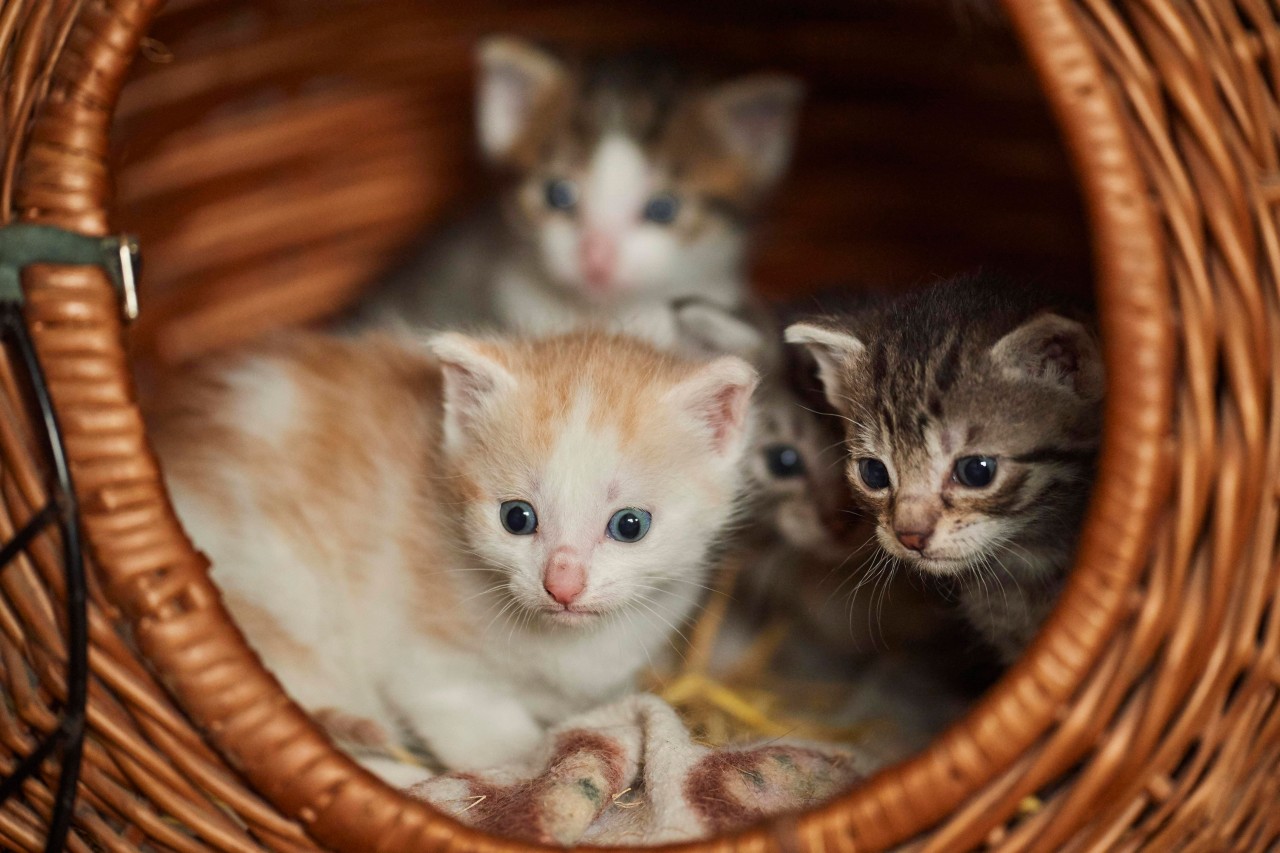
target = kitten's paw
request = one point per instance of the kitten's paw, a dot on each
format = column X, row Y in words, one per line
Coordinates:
column 394, row 773
column 487, row 741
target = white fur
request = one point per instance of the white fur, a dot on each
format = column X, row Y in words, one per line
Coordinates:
column 359, row 614
column 617, row 184
column 521, row 302
column 652, row 262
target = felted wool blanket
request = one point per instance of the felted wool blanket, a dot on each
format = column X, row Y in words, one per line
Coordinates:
column 630, row 774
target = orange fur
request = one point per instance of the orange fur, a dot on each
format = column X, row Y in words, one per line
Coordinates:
column 359, row 545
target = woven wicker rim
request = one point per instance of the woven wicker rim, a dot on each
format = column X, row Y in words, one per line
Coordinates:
column 183, row 630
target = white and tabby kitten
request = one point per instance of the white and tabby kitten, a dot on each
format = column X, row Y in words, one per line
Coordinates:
column 629, row 185
column 973, row 416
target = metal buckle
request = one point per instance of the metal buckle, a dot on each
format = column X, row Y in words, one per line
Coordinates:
column 24, row 243
column 130, row 257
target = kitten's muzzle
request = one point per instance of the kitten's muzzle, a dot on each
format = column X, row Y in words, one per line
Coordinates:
column 914, row 522
column 598, row 258
column 564, row 577
column 913, row 540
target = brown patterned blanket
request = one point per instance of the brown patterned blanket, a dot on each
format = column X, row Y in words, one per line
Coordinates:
column 630, row 774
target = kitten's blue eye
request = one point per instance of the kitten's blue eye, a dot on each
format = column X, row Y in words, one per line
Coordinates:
column 561, row 194
column 873, row 473
column 783, row 461
column 629, row 525
column 662, row 209
column 518, row 517
column 975, row 471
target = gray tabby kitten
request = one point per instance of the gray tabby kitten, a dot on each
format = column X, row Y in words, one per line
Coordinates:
column 627, row 185
column 973, row 416
column 796, row 488
column 807, row 542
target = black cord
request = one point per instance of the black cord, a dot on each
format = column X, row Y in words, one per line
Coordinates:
column 68, row 737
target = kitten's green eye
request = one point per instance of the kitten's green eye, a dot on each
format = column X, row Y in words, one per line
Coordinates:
column 518, row 517
column 662, row 209
column 873, row 473
column 561, row 194
column 629, row 525
column 975, row 471
column 783, row 460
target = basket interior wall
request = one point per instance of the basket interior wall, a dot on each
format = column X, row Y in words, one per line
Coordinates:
column 275, row 156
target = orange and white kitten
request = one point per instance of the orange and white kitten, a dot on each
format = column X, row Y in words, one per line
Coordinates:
column 461, row 542
column 628, row 185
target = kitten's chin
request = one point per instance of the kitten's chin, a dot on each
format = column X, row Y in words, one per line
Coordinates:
column 602, row 294
column 939, row 566
column 930, row 565
column 572, row 618
column 934, row 564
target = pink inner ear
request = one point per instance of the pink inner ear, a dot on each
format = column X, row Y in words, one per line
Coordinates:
column 465, row 387
column 724, row 413
column 758, row 119
column 1060, row 356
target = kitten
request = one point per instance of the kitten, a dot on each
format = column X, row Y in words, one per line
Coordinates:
column 808, row 545
column 461, row 543
column 794, row 474
column 629, row 185
column 973, row 416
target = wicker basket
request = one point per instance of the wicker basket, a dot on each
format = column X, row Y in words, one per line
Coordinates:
column 272, row 156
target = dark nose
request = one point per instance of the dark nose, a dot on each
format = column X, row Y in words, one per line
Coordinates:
column 915, row 540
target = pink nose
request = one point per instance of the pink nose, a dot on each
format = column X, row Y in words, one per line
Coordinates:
column 564, row 578
column 598, row 255
column 916, row 540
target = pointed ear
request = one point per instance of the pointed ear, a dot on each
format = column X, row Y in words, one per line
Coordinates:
column 831, row 349
column 707, row 329
column 715, row 397
column 472, row 380
column 515, row 78
column 1052, row 349
column 756, row 117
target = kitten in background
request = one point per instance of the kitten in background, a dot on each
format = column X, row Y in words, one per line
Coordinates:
column 628, row 186
column 973, row 417
column 809, row 548
column 460, row 544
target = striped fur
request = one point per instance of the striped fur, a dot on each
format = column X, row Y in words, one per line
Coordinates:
column 971, row 367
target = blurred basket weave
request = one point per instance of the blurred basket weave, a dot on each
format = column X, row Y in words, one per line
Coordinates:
column 274, row 155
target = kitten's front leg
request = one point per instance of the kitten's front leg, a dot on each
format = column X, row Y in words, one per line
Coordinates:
column 470, row 727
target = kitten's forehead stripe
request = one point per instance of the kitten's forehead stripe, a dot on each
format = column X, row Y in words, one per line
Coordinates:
column 880, row 366
column 945, row 375
column 617, row 183
column 921, row 423
column 886, row 418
